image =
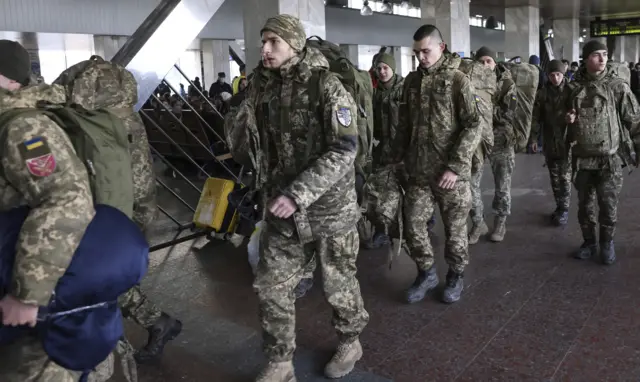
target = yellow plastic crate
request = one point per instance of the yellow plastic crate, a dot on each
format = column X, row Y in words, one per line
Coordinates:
column 213, row 207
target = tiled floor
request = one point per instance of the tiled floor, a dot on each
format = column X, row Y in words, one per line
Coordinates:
column 529, row 311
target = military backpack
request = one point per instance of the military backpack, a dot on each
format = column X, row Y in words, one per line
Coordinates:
column 484, row 82
column 526, row 78
column 358, row 84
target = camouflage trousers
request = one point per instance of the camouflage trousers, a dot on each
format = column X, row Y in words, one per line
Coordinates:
column 136, row 306
column 599, row 189
column 26, row 361
column 477, row 169
column 282, row 264
column 560, row 174
column 503, row 161
column 419, row 206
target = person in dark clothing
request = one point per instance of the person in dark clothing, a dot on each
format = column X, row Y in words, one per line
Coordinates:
column 220, row 86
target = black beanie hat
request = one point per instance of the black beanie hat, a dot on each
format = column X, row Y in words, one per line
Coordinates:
column 15, row 63
column 592, row 46
column 555, row 66
column 484, row 51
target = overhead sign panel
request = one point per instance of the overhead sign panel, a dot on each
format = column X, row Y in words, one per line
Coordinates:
column 616, row 27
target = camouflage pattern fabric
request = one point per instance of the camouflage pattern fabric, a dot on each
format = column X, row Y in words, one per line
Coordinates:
column 549, row 113
column 608, row 113
column 118, row 94
column 137, row 306
column 502, row 157
column 477, row 169
column 322, row 183
column 450, row 135
column 61, row 209
column 26, row 361
column 503, row 163
column 526, row 78
column 289, row 28
column 598, row 192
column 104, row 371
column 280, row 269
column 446, row 139
column 386, row 110
column 419, row 206
column 56, row 190
column 560, row 175
column 484, row 81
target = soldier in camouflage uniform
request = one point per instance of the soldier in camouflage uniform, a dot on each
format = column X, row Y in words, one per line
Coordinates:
column 603, row 133
column 386, row 106
column 61, row 209
column 119, row 99
column 438, row 132
column 549, row 118
column 502, row 157
column 307, row 179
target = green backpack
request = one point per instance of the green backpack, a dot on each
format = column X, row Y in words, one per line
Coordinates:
column 526, row 77
column 484, row 82
column 358, row 84
column 102, row 144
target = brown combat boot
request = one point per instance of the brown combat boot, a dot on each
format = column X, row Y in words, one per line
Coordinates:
column 499, row 229
column 344, row 360
column 478, row 230
column 277, row 372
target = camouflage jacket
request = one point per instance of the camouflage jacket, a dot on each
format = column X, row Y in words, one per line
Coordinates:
column 386, row 106
column 439, row 126
column 61, row 203
column 595, row 96
column 307, row 153
column 504, row 109
column 549, row 111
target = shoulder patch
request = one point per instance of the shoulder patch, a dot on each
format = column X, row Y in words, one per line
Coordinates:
column 38, row 157
column 343, row 114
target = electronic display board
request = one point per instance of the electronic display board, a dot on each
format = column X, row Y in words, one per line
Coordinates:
column 616, row 27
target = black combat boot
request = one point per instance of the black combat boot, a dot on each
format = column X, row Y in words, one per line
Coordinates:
column 453, row 288
column 607, row 249
column 589, row 248
column 560, row 217
column 164, row 330
column 303, row 287
column 425, row 281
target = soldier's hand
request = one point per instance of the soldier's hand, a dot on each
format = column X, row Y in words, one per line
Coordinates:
column 534, row 147
column 16, row 313
column 571, row 116
column 283, row 207
column 448, row 180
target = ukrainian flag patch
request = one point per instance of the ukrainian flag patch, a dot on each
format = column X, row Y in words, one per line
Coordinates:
column 33, row 143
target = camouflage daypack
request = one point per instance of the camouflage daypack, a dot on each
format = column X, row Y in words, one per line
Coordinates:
column 101, row 143
column 526, row 78
column 597, row 130
column 484, row 82
column 358, row 84
column 96, row 84
column 620, row 69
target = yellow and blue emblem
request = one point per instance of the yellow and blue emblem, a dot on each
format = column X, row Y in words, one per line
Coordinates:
column 34, row 143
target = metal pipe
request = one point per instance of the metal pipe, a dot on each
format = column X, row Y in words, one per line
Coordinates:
column 176, row 195
column 198, row 90
column 178, row 241
column 176, row 144
column 170, row 217
column 197, row 139
column 165, row 161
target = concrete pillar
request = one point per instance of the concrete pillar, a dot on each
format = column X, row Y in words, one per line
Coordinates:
column 215, row 59
column 522, row 35
column 452, row 19
column 566, row 33
column 629, row 48
column 352, row 53
column 256, row 13
column 30, row 43
column 107, row 46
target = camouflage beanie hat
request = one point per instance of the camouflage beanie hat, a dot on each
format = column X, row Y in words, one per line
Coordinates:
column 388, row 59
column 15, row 63
column 289, row 28
column 555, row 66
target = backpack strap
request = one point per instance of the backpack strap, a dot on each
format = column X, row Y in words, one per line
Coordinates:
column 316, row 101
